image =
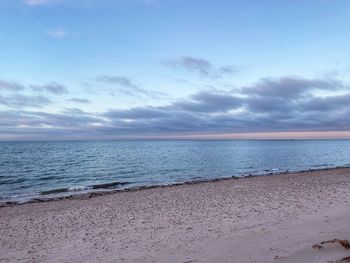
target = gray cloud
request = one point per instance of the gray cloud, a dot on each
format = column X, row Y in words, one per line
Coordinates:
column 290, row 95
column 70, row 119
column 126, row 86
column 270, row 105
column 326, row 104
column 53, row 87
column 20, row 101
column 201, row 103
column 291, row 86
column 10, row 86
column 79, row 100
column 137, row 113
column 201, row 66
column 207, row 102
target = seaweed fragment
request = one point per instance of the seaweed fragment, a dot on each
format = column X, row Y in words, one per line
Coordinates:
column 344, row 260
column 343, row 242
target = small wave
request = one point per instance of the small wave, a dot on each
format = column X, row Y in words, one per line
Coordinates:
column 50, row 177
column 79, row 188
column 15, row 181
column 126, row 172
column 272, row 170
column 54, row 191
column 321, row 165
column 108, row 185
column 83, row 188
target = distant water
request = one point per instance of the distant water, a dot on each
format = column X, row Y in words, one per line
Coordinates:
column 37, row 169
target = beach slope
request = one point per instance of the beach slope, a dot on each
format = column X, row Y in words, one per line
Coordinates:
column 274, row 218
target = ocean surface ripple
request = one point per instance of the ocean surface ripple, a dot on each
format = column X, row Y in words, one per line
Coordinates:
column 32, row 169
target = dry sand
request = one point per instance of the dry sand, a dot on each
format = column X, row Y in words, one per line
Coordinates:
column 259, row 219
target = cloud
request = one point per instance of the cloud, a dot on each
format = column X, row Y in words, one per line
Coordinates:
column 201, row 66
column 208, row 102
column 78, row 100
column 139, row 113
column 57, row 33
column 326, row 104
column 291, row 86
column 10, row 86
column 52, row 87
column 20, row 101
column 287, row 95
column 70, row 119
column 269, row 105
column 29, row 125
column 124, row 85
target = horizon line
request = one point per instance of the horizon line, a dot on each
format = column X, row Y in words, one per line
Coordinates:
column 305, row 135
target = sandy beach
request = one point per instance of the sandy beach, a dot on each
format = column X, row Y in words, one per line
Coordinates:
column 274, row 218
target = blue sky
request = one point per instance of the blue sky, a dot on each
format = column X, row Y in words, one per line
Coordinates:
column 89, row 69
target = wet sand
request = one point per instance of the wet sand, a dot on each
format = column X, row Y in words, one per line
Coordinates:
column 258, row 219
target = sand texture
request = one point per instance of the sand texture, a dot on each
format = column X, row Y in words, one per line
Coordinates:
column 259, row 219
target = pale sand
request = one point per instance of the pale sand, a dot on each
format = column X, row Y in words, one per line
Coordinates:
column 258, row 219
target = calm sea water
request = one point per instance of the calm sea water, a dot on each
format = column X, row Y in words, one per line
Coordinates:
column 32, row 169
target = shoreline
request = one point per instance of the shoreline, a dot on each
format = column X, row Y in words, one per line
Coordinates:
column 258, row 219
column 94, row 193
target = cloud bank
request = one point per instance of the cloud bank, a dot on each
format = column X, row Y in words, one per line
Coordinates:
column 288, row 104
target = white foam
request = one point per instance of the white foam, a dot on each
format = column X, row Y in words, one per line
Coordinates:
column 79, row 188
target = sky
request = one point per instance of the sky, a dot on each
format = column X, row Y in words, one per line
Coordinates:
column 184, row 69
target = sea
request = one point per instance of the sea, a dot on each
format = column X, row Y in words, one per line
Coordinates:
column 32, row 170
